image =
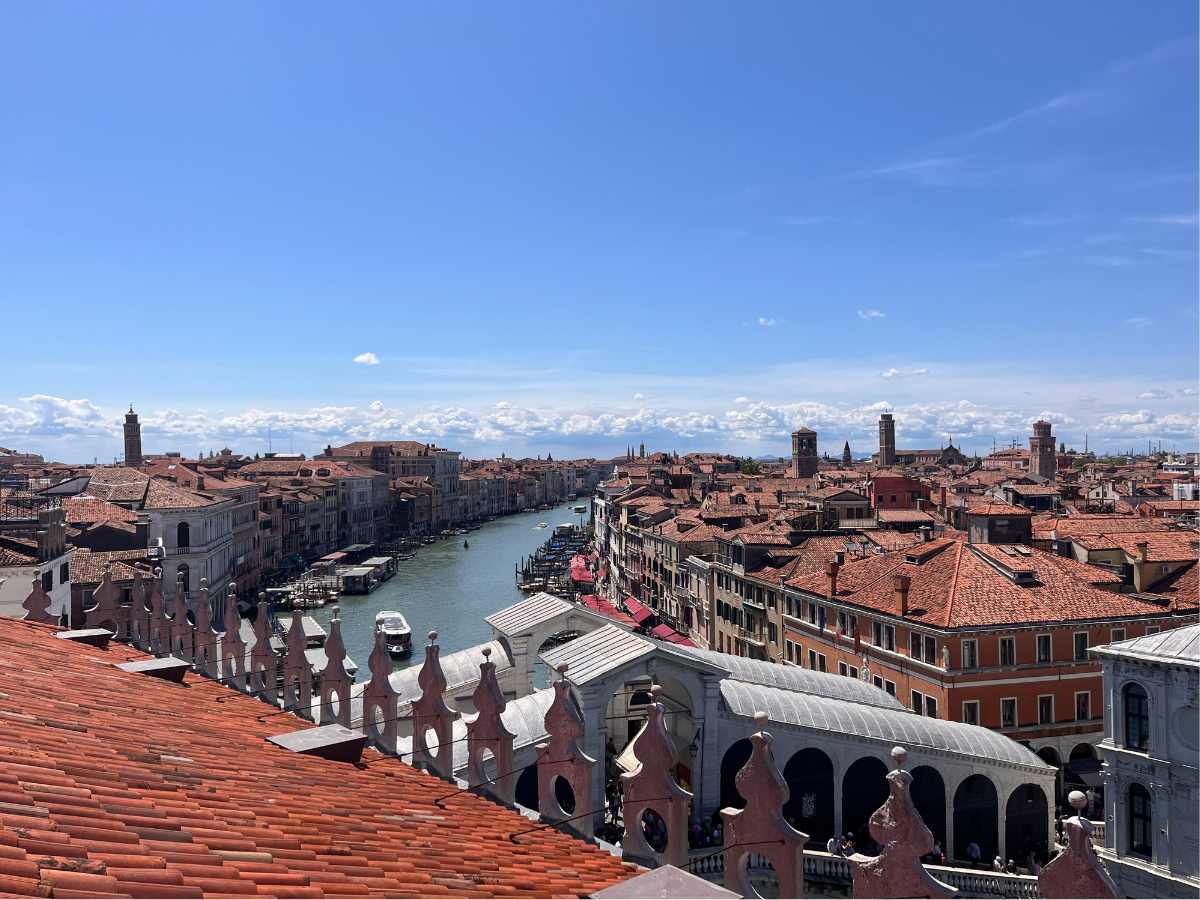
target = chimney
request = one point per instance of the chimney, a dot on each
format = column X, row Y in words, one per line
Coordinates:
column 902, row 584
column 942, row 495
column 1143, row 549
column 832, row 571
column 926, row 534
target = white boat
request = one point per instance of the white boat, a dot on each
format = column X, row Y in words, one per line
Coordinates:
column 397, row 636
column 542, row 525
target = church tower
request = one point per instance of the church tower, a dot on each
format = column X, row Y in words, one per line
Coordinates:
column 804, row 453
column 133, row 439
column 847, row 459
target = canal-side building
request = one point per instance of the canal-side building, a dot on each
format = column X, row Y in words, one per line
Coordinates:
column 1151, row 754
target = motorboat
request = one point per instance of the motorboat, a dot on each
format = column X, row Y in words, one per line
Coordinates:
column 397, row 636
column 542, row 525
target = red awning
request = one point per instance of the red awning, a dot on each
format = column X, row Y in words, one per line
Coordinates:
column 663, row 632
column 678, row 638
column 639, row 611
column 602, row 606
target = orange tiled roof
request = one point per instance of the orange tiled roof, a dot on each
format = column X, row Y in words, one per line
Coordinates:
column 127, row 785
column 960, row 585
column 86, row 510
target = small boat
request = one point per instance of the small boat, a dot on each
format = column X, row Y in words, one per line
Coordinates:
column 542, row 525
column 466, row 545
column 397, row 636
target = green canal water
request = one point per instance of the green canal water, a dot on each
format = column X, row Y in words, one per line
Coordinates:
column 447, row 589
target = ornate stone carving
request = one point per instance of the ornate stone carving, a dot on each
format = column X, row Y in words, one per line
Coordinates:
column 37, row 605
column 1077, row 871
column 264, row 665
column 431, row 712
column 561, row 757
column 335, row 680
column 651, row 786
column 107, row 611
column 181, row 628
column 233, row 648
column 760, row 827
column 380, row 700
column 897, row 827
column 204, row 658
column 297, row 673
column 486, row 731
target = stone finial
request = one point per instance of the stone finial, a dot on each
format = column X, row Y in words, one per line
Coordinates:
column 37, row 605
column 335, row 679
column 139, row 613
column 430, row 712
column 160, row 622
column 486, row 731
column 106, row 610
column 561, row 757
column 297, row 673
column 898, row 828
column 263, row 662
column 233, row 648
column 380, row 700
column 181, row 628
column 205, row 656
column 645, row 789
column 760, row 827
column 1077, row 871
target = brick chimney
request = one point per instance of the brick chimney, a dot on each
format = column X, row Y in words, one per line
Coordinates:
column 1143, row 549
column 832, row 572
column 902, row 584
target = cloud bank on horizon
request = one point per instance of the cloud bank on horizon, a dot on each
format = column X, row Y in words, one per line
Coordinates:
column 72, row 430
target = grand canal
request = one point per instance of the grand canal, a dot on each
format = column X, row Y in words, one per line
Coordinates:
column 450, row 589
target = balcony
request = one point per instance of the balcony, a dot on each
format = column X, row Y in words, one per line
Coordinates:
column 757, row 638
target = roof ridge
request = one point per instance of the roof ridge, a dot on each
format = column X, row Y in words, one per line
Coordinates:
column 954, row 584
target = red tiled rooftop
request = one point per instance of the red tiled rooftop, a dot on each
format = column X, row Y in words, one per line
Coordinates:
column 127, row 785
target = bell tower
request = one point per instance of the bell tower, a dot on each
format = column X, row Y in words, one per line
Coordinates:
column 133, row 439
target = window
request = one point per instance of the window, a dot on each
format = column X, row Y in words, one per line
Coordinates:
column 1008, row 712
column 1118, row 634
column 914, row 644
column 1152, row 629
column 971, row 712
column 812, row 613
column 1008, row 651
column 886, row 636
column 877, row 681
column 1046, row 709
column 1141, row 838
column 64, row 573
column 790, row 648
column 917, row 703
column 1083, row 706
column 47, row 581
column 890, row 687
column 931, row 707
column 772, row 634
column 812, row 659
column 183, row 534
column 1043, row 648
column 854, row 672
column 1081, row 644
column 821, row 661
column 843, row 669
column 970, row 654
column 1137, row 718
column 877, row 634
column 930, row 650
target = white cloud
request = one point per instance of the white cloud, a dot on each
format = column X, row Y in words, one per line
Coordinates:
column 1189, row 392
column 741, row 399
column 1154, row 394
column 639, row 396
column 367, row 359
column 1166, row 219
column 376, row 406
column 903, row 373
column 1139, row 321
column 868, row 314
column 767, row 322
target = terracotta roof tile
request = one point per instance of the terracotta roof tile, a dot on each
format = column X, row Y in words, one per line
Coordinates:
column 194, row 801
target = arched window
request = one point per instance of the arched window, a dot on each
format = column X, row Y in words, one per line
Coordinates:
column 183, row 535
column 1137, row 718
column 1141, row 838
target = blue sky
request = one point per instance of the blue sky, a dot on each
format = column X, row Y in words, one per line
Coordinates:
column 573, row 227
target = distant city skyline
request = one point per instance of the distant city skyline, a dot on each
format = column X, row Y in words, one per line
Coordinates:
column 697, row 225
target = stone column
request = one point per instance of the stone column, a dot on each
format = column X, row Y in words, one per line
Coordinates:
column 297, row 673
column 708, row 787
column 264, row 667
column 160, row 624
column 594, row 702
column 205, row 638
column 951, row 789
column 380, row 698
column 233, row 648
column 335, row 680
column 181, row 629
column 560, row 757
column 487, row 731
column 1160, row 792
